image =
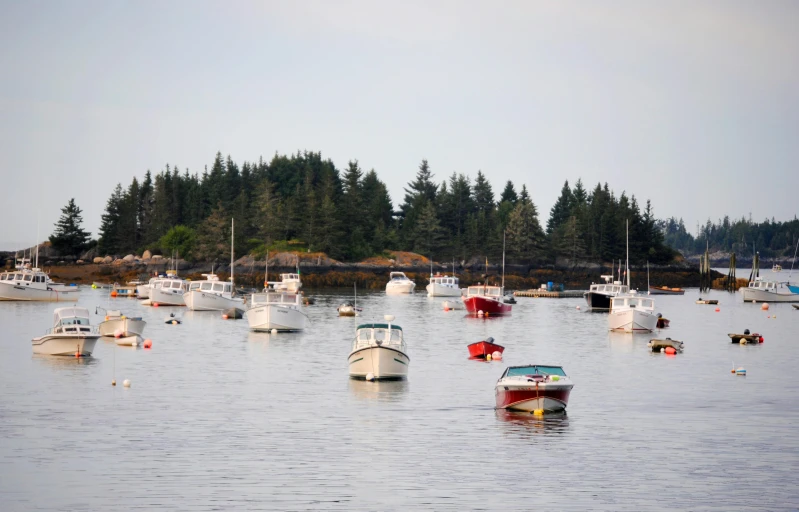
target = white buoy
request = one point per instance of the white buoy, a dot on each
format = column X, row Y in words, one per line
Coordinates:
column 480, row 313
column 126, row 383
column 370, row 376
column 578, row 307
column 497, row 355
column 274, row 331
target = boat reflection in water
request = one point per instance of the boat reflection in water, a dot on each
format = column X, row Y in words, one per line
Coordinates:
column 381, row 391
column 66, row 363
column 526, row 423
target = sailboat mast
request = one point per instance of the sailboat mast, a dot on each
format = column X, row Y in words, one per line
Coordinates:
column 503, row 262
column 794, row 258
column 355, row 288
column 37, row 242
column 627, row 264
column 266, row 272
column 232, row 283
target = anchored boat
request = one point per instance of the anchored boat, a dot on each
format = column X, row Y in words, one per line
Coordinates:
column 379, row 352
column 31, row 284
column 276, row 310
column 399, row 283
column 71, row 334
column 481, row 349
column 533, row 388
column 117, row 324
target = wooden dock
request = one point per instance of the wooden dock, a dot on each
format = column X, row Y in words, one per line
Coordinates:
column 536, row 293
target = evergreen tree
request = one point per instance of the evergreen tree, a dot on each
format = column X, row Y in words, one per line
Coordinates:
column 213, row 236
column 69, row 238
column 561, row 210
column 509, row 194
column 428, row 234
column 110, row 241
column 525, row 238
column 418, row 193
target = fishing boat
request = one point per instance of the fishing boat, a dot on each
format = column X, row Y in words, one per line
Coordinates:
column 599, row 296
column 760, row 290
column 481, row 349
column 665, row 290
column 272, row 310
column 350, row 308
column 482, row 299
column 289, row 283
column 29, row 283
column 660, row 345
column 630, row 312
column 71, row 334
column 168, row 291
column 399, row 283
column 118, row 325
column 379, row 352
column 533, row 388
column 443, row 286
column 212, row 294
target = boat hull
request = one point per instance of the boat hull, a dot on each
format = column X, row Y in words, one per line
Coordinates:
column 143, row 291
column 65, row 344
column 346, row 310
column 632, row 320
column 290, row 287
column 541, row 397
column 754, row 295
column 598, row 300
column 276, row 316
column 439, row 290
column 170, row 297
column 9, row 291
column 384, row 363
column 656, row 290
column 200, row 301
column 488, row 306
column 480, row 349
column 125, row 326
column 400, row 288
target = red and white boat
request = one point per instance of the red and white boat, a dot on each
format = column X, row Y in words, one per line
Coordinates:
column 534, row 388
column 481, row 349
column 486, row 300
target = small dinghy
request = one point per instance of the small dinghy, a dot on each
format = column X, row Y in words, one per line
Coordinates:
column 707, row 301
column 118, row 325
column 233, row 314
column 128, row 341
column 484, row 349
column 172, row 320
column 658, row 345
column 453, row 305
column 662, row 322
column 795, row 306
column 348, row 309
column 746, row 338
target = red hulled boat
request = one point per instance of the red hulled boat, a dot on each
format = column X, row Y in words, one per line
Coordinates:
column 486, row 299
column 480, row 349
column 533, row 388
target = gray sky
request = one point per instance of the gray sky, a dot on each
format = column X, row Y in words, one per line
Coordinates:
column 694, row 105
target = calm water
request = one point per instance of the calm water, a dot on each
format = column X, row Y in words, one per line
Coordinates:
column 221, row 418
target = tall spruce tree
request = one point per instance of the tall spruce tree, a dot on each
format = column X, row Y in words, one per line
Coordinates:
column 69, row 238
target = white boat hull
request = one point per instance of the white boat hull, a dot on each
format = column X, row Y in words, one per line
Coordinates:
column 128, row 341
column 290, row 287
column 346, row 311
column 400, row 288
column 125, row 326
column 632, row 321
column 383, row 363
column 755, row 295
column 65, row 344
column 10, row 291
column 440, row 290
column 143, row 291
column 453, row 304
column 276, row 316
column 168, row 297
column 202, row 301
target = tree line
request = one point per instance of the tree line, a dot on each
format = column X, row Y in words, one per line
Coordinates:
column 303, row 202
column 770, row 238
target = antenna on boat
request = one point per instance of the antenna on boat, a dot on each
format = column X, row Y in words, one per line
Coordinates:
column 503, row 261
column 627, row 264
column 232, row 283
column 794, row 258
column 266, row 272
column 647, row 277
column 37, row 240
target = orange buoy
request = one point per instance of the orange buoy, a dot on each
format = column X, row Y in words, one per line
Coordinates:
column 148, row 343
column 764, row 307
column 155, row 304
column 224, row 317
column 670, row 351
column 113, row 294
column 717, row 310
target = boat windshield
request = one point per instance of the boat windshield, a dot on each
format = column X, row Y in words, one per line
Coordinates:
column 258, row 299
column 491, row 291
column 535, row 369
column 378, row 335
column 290, row 277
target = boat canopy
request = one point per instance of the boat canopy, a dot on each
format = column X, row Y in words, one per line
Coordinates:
column 483, row 290
column 368, row 335
column 71, row 315
column 518, row 371
column 398, row 276
column 259, row 299
column 633, row 302
column 379, row 326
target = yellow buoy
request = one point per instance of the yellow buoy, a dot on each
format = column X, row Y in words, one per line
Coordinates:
column 488, row 357
column 538, row 412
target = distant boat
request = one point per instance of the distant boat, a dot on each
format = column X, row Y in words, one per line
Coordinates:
column 481, row 349
column 71, row 334
column 599, row 296
column 665, row 290
column 443, row 286
column 533, row 388
column 707, row 301
column 289, row 283
column 769, row 291
column 399, row 283
column 213, row 294
column 350, row 308
column 379, row 352
column 31, row 284
column 128, row 290
column 776, row 268
column 276, row 310
column 118, row 324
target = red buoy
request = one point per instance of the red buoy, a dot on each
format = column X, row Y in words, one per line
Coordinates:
column 761, row 339
column 155, row 304
column 670, row 351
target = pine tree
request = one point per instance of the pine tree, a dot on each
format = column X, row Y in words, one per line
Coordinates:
column 561, row 210
column 213, row 236
column 509, row 194
column 69, row 238
column 525, row 238
column 418, row 193
column 428, row 233
column 110, row 226
column 268, row 225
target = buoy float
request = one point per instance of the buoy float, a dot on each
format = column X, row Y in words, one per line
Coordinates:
column 740, row 371
column 578, row 308
column 113, row 382
column 497, row 355
column 488, row 357
column 77, row 354
column 760, row 339
column 370, row 377
column 126, row 383
column 743, row 341
column 670, row 351
column 718, row 309
column 480, row 313
column 94, row 287
column 764, row 307
column 224, row 317
column 538, row 412
column 155, row 304
column 274, row 331
column 446, row 309
column 113, row 294
column 148, row 343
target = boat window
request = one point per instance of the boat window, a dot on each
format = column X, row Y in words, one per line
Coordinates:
column 28, row 277
column 647, row 303
column 532, row 370
column 176, row 284
column 206, row 287
column 364, row 334
column 194, row 286
column 227, row 287
column 218, row 287
column 380, row 335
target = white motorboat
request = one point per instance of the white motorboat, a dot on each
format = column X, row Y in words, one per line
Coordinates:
column 350, row 308
column 399, row 283
column 168, row 291
column 632, row 313
column 768, row 291
column 212, row 295
column 276, row 310
column 29, row 283
column 289, row 283
column 379, row 352
column 443, row 286
column 118, row 325
column 143, row 289
column 533, row 388
column 71, row 334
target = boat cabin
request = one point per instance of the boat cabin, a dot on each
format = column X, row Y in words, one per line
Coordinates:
column 267, row 298
column 444, row 280
column 627, row 302
column 71, row 320
column 484, row 291
column 24, row 277
column 533, row 369
column 398, row 276
column 609, row 289
column 286, row 278
column 766, row 286
column 383, row 335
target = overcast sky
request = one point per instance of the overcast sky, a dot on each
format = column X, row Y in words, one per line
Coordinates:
column 694, row 105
